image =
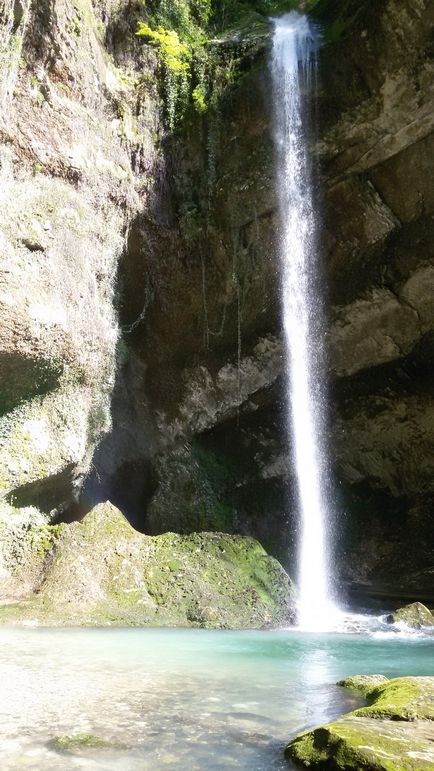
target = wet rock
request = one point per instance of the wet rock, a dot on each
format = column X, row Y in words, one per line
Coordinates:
column 82, row 744
column 415, row 615
column 363, row 683
column 395, row 731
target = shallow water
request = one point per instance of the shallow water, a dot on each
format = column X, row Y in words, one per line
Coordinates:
column 189, row 699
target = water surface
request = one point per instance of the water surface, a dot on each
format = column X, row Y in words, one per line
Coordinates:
column 189, row 699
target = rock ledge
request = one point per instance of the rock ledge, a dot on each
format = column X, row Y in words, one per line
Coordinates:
column 395, row 731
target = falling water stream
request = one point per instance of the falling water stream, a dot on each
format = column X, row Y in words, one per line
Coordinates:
column 295, row 44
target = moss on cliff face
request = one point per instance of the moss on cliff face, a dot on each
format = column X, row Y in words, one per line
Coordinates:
column 26, row 541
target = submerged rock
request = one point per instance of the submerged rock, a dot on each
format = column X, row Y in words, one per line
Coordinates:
column 414, row 615
column 79, row 743
column 102, row 571
column 396, row 730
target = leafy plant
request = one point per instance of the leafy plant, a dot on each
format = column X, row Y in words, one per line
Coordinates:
column 174, row 54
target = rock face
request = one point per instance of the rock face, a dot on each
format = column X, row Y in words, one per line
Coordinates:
column 101, row 571
column 220, row 348
column 74, row 148
column 415, row 616
column 395, row 731
column 140, row 339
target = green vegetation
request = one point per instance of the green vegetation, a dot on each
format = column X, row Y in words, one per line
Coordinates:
column 201, row 43
column 363, row 684
column 380, row 736
column 126, row 578
column 404, row 698
column 195, row 64
column 43, row 537
column 177, row 29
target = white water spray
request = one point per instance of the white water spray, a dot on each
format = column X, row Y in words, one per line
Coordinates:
column 295, row 44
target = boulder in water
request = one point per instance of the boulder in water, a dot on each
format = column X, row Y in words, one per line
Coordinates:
column 395, row 731
column 101, row 571
column 414, row 615
column 363, row 684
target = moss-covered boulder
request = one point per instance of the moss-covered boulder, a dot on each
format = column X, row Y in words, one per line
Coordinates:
column 363, row 684
column 395, row 731
column 353, row 743
column 102, row 571
column 414, row 615
column 404, row 698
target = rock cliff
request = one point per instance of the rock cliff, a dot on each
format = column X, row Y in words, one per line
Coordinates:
column 139, row 316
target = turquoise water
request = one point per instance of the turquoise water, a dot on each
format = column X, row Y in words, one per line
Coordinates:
column 190, row 700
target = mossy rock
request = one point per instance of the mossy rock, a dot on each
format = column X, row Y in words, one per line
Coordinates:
column 353, row 743
column 363, row 684
column 404, row 698
column 82, row 743
column 396, row 731
column 101, row 571
column 416, row 615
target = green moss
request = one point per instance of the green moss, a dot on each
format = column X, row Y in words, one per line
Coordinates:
column 199, row 98
column 405, row 698
column 363, row 684
column 380, row 736
column 352, row 745
column 76, row 25
column 42, row 538
column 103, row 571
column 80, row 742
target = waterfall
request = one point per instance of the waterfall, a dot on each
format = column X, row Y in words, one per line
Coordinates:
column 295, row 44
